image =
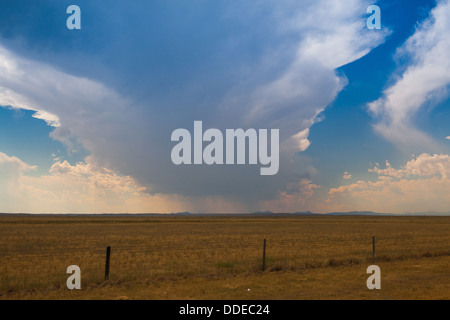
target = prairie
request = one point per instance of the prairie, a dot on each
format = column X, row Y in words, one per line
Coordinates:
column 206, row 257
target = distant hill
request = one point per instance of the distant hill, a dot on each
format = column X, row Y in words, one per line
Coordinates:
column 260, row 213
column 263, row 212
column 305, row 213
column 358, row 213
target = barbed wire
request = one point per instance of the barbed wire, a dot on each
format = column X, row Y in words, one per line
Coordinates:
column 385, row 243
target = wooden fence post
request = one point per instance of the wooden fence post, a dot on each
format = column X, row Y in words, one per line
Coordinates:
column 264, row 256
column 373, row 249
column 108, row 255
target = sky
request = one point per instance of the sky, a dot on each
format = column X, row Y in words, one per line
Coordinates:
column 86, row 115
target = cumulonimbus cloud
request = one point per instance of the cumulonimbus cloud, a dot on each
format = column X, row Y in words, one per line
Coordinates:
column 287, row 86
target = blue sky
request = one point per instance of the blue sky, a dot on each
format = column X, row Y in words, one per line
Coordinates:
column 87, row 114
column 367, row 79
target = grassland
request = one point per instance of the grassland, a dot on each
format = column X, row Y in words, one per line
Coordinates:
column 200, row 257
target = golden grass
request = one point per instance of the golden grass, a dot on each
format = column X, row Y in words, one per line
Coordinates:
column 216, row 257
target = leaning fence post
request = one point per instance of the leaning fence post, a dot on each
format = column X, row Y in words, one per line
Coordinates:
column 264, row 256
column 373, row 248
column 108, row 255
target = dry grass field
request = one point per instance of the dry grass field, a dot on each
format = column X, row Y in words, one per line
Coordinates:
column 204, row 257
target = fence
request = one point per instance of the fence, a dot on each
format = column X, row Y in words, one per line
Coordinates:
column 124, row 261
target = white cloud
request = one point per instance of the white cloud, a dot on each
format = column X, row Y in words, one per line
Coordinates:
column 424, row 82
column 82, row 188
column 347, row 176
column 422, row 185
column 423, row 166
column 297, row 143
column 14, row 164
column 447, row 138
column 86, row 188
